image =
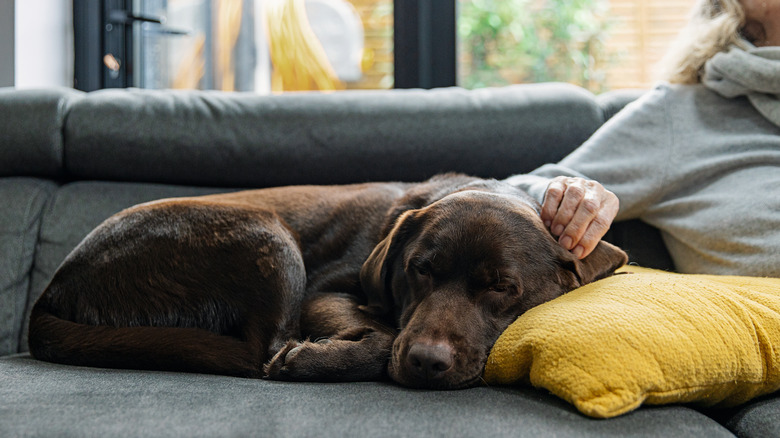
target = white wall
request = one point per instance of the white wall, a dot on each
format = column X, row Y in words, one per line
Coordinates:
column 6, row 43
column 43, row 43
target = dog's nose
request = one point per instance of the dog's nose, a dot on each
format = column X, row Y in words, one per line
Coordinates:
column 430, row 361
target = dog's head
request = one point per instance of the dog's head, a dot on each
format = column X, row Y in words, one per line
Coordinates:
column 458, row 271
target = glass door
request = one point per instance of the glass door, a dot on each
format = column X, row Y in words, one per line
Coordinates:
column 265, row 45
column 235, row 45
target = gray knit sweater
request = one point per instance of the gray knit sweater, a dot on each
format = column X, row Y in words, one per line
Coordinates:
column 699, row 162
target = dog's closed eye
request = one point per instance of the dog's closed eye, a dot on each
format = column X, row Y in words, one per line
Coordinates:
column 421, row 268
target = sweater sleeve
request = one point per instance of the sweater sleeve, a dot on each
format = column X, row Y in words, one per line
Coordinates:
column 629, row 155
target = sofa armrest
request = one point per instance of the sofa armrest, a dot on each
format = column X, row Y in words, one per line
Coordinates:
column 31, row 142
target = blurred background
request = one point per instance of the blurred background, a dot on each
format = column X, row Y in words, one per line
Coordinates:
column 275, row 46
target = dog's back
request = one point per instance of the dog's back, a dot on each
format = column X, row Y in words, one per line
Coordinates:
column 211, row 284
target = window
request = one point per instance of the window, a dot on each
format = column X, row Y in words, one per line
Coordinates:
column 597, row 44
column 289, row 45
column 641, row 34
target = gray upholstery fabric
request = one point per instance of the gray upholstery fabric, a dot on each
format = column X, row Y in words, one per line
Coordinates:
column 356, row 136
column 22, row 201
column 54, row 400
column 759, row 419
column 31, row 130
column 73, row 212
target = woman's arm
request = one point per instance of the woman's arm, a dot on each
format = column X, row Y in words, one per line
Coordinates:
column 626, row 159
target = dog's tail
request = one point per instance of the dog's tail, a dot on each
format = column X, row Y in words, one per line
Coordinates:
column 58, row 340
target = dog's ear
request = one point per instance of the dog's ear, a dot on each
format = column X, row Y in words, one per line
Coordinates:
column 376, row 274
column 600, row 263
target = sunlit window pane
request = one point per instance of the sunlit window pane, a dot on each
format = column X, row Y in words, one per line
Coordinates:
column 598, row 44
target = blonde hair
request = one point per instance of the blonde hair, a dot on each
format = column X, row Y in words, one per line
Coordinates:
column 714, row 26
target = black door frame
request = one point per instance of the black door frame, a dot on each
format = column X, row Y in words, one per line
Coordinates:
column 425, row 43
column 103, row 44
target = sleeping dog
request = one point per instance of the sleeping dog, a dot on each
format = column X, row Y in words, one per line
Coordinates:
column 324, row 283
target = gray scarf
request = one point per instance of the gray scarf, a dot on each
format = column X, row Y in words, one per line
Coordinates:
column 754, row 72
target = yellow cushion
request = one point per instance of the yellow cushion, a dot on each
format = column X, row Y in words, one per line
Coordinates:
column 648, row 337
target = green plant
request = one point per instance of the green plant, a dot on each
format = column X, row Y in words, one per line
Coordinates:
column 516, row 41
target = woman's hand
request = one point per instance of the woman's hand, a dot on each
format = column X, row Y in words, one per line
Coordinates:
column 579, row 212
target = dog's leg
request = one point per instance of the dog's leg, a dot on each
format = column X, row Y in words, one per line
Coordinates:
column 345, row 344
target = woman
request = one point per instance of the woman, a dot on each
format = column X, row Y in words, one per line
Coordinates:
column 697, row 157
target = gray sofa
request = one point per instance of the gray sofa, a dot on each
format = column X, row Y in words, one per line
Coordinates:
column 68, row 160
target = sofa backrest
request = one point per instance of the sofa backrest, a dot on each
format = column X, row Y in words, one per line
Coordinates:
column 68, row 160
column 241, row 139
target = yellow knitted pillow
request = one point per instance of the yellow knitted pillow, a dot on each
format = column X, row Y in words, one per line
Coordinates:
column 648, row 337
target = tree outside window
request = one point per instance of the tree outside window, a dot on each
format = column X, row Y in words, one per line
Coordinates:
column 597, row 44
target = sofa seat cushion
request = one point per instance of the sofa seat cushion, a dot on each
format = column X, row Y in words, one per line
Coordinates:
column 43, row 399
column 648, row 337
column 759, row 419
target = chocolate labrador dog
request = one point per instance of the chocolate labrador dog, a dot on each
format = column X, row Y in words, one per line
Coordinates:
column 356, row 282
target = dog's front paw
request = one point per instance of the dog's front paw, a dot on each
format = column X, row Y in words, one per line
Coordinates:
column 299, row 361
column 334, row 359
column 276, row 368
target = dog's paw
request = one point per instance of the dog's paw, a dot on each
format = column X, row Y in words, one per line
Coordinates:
column 300, row 361
column 275, row 369
column 349, row 356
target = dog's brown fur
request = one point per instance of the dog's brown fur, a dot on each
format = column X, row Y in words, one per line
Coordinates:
column 310, row 283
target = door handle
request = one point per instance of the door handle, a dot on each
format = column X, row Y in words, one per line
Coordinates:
column 119, row 16
column 123, row 17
